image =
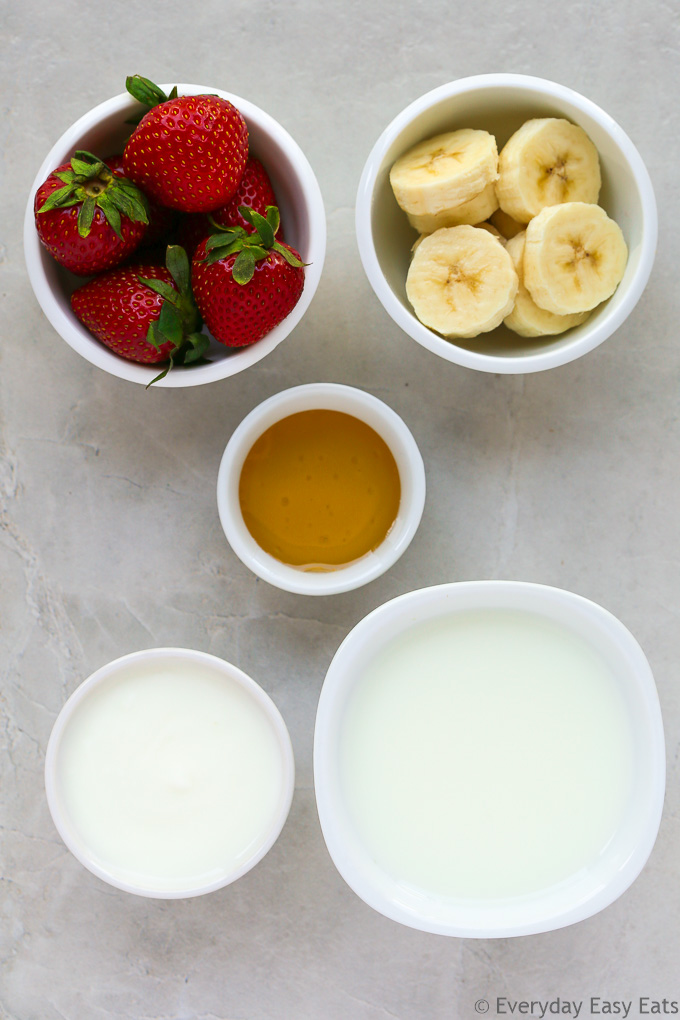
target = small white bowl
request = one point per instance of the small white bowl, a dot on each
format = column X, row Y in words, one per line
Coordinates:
column 333, row 397
column 103, row 131
column 590, row 888
column 500, row 103
column 124, row 669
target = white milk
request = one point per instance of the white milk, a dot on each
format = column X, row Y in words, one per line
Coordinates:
column 170, row 775
column 486, row 755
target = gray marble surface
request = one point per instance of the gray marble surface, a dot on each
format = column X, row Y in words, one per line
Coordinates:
column 110, row 541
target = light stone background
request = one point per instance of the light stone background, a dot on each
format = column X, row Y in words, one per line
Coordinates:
column 110, row 538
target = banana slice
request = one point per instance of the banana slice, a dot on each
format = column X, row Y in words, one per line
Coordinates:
column 444, row 172
column 527, row 318
column 507, row 226
column 482, row 226
column 473, row 212
column 574, row 257
column 547, row 162
column 461, row 282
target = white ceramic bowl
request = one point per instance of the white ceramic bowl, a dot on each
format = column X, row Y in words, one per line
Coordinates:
column 500, row 103
column 103, row 131
column 123, row 668
column 381, row 418
column 589, row 889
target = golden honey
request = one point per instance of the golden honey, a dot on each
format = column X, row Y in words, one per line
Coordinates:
column 319, row 489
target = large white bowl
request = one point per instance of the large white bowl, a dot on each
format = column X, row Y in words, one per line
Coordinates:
column 384, row 421
column 584, row 893
column 123, row 668
column 103, row 131
column 500, row 103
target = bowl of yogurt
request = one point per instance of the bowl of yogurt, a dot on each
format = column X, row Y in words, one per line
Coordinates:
column 489, row 759
column 169, row 773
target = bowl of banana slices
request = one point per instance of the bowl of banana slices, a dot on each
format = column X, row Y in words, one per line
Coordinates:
column 506, row 223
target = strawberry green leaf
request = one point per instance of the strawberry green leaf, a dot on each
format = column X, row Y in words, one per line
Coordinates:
column 67, row 176
column 68, row 202
column 166, row 290
column 111, row 213
column 151, row 336
column 144, row 91
column 288, row 255
column 233, row 248
column 86, row 170
column 86, row 157
column 246, row 213
column 56, row 199
column 263, row 228
column 190, row 353
column 214, row 241
column 141, row 208
column 123, row 203
column 177, row 262
column 223, row 251
column 225, row 237
column 161, row 375
column 199, row 341
column 273, row 217
column 200, row 344
column 161, row 338
column 126, row 185
column 139, row 203
column 170, row 324
column 243, row 267
column 216, row 256
column 212, row 258
column 191, row 356
column 132, row 204
column 85, row 216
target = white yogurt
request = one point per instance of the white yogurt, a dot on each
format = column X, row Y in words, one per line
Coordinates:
column 486, row 755
column 170, row 775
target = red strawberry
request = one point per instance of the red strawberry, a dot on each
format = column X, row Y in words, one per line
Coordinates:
column 89, row 218
column 187, row 152
column 244, row 283
column 254, row 191
column 145, row 313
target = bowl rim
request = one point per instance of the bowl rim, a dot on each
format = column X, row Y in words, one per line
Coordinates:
column 161, row 654
column 362, row 405
column 517, row 364
column 78, row 338
column 393, row 617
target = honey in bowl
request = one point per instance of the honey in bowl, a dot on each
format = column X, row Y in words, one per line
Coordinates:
column 319, row 490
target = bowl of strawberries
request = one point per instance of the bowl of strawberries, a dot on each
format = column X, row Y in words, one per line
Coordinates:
column 174, row 235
